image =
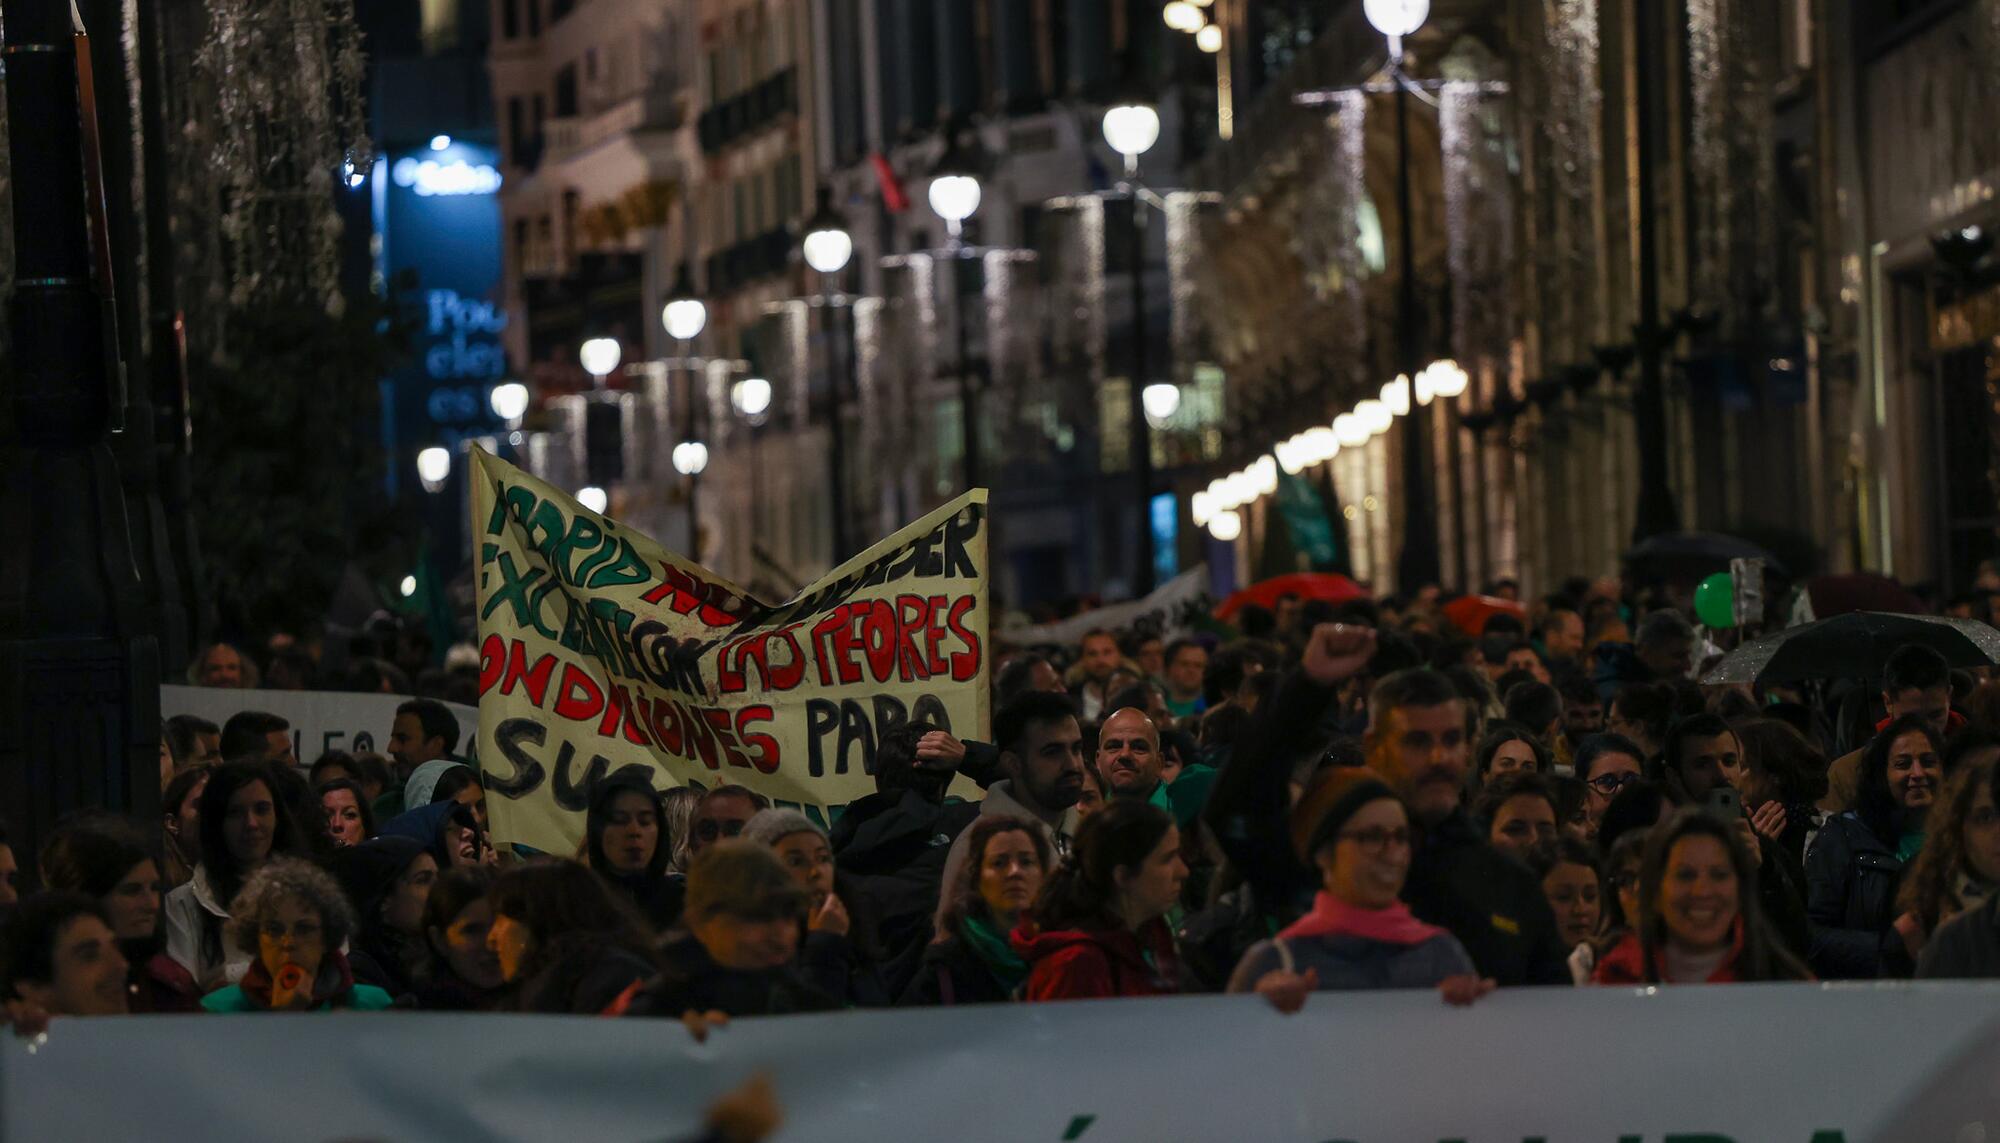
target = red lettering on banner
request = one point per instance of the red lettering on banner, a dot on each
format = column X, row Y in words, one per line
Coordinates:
column 685, row 595
column 580, row 697
column 667, row 729
column 518, row 672
column 700, row 738
column 619, row 712
column 964, row 664
column 912, row 613
column 933, row 635
column 725, row 736
column 765, row 760
column 878, row 639
column 732, row 662
column 492, row 659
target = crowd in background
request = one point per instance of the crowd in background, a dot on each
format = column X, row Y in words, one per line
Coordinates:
column 1359, row 796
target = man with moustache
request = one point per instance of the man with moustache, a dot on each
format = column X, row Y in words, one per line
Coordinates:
column 1416, row 742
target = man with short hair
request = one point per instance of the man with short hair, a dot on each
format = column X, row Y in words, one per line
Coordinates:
column 1129, row 760
column 1026, row 673
column 1187, row 662
column 1416, row 742
column 1100, row 658
column 1522, row 656
column 1041, row 754
column 61, row 957
column 1562, row 635
column 1915, row 680
column 1665, row 644
column 1583, row 708
column 260, row 734
column 424, row 731
column 1149, row 651
column 721, row 814
column 193, row 741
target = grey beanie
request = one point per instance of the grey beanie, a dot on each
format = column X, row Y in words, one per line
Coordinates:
column 769, row 827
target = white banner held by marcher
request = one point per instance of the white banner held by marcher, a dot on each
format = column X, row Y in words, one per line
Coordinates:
column 1721, row 1064
column 321, row 720
column 1170, row 610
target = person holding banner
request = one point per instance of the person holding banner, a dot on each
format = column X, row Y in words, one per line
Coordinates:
column 1697, row 924
column 1006, row 859
column 626, row 843
column 293, row 923
column 566, row 944
column 59, row 957
column 1359, row 935
column 461, row 974
column 387, row 880
column 1099, row 927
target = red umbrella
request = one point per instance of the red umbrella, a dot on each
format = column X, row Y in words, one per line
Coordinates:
column 1305, row 585
column 1840, row 594
column 1469, row 613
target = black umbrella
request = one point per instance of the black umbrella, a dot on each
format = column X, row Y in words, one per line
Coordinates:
column 1855, row 646
column 1691, row 553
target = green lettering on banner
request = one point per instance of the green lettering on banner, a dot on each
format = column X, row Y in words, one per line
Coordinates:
column 1826, row 1136
column 1077, row 1126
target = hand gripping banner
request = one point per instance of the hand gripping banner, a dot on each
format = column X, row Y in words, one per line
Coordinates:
column 601, row 654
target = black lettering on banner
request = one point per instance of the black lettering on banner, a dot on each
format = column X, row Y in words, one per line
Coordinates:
column 574, row 796
column 855, row 728
column 528, row 774
column 860, row 724
column 890, row 716
column 822, row 716
column 960, row 531
column 930, row 708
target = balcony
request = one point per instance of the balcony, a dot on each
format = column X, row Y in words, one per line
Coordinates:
column 656, row 110
column 744, row 114
column 763, row 256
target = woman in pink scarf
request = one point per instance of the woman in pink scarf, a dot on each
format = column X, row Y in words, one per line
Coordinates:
column 1359, row 935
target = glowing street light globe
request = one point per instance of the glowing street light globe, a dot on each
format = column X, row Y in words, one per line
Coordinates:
column 1447, row 378
column 751, row 396
column 690, row 457
column 509, row 400
column 1132, row 129
column 1291, row 454
column 828, row 250
column 600, row 356
column 1182, row 16
column 1225, row 525
column 592, row 497
column 1375, row 416
column 408, row 586
column 1350, row 431
column 1396, row 17
column 1209, row 38
column 1263, row 474
column 1161, row 400
column 684, row 318
column 954, row 197
column 1321, row 445
column 1202, row 505
column 1396, row 395
column 433, row 467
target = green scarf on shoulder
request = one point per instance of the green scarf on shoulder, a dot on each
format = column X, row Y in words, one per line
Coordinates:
column 992, row 949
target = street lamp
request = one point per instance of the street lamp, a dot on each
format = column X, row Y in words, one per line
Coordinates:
column 509, row 400
column 690, row 457
column 1209, row 38
column 433, row 467
column 684, row 317
column 593, row 498
column 750, row 397
column 1182, row 16
column 954, row 195
column 1162, row 400
column 1131, row 129
column 599, row 357
column 827, row 247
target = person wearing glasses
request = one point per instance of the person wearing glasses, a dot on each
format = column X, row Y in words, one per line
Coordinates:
column 1606, row 764
column 721, row 814
column 1359, row 935
column 292, row 921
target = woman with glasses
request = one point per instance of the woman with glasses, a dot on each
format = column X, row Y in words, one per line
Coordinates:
column 1520, row 814
column 1606, row 764
column 1697, row 923
column 1857, row 860
column 291, row 920
column 1359, row 935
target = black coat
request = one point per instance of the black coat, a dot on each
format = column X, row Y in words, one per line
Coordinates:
column 692, row 981
column 1851, row 881
column 951, row 973
column 1493, row 904
column 658, row 897
column 890, row 849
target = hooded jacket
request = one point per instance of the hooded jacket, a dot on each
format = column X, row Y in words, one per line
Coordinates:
column 1093, row 963
column 428, row 825
column 893, row 848
column 657, row 894
column 367, row 874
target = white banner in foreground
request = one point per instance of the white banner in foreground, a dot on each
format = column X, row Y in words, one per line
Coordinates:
column 1730, row 1064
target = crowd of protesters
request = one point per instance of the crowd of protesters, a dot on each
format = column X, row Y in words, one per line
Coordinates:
column 1359, row 796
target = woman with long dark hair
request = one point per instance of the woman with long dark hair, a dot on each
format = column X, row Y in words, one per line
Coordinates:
column 388, row 881
column 566, row 943
column 1857, row 861
column 1099, row 926
column 102, row 857
column 180, row 827
column 461, row 974
column 1959, row 867
column 244, row 823
column 349, row 819
column 627, row 843
column 970, row 961
column 1699, row 918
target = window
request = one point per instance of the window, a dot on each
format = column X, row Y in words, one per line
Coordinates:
column 590, row 64
column 534, row 16
column 541, row 113
column 560, row 8
column 517, row 138
column 520, row 244
column 566, row 101
column 510, row 19
column 742, row 214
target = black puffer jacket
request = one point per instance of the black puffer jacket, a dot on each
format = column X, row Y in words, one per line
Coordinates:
column 890, row 849
column 1851, row 880
column 1490, row 902
column 692, row 981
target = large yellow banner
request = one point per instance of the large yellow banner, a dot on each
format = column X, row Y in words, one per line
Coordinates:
column 601, row 652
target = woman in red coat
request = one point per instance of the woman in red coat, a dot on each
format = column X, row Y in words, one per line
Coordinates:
column 1699, row 920
column 1099, row 927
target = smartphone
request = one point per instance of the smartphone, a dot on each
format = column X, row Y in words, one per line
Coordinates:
column 1724, row 802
